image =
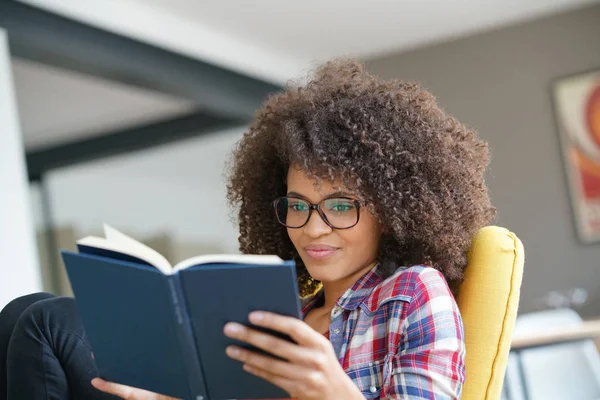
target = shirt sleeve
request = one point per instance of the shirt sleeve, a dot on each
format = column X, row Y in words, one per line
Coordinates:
column 429, row 363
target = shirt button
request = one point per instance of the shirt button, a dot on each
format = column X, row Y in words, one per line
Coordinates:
column 336, row 331
column 373, row 389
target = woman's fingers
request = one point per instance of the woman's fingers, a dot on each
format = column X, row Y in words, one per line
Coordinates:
column 272, row 365
column 271, row 344
column 126, row 392
column 286, row 384
column 298, row 330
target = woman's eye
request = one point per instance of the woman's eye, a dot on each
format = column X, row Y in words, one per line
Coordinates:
column 341, row 207
column 298, row 207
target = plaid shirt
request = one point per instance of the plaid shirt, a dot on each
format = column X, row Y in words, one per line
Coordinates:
column 400, row 337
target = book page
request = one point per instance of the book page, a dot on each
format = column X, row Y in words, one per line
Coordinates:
column 115, row 236
column 228, row 259
column 121, row 243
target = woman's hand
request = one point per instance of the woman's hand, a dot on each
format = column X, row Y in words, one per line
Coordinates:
column 310, row 369
column 127, row 392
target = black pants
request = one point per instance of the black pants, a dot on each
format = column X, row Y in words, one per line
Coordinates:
column 44, row 353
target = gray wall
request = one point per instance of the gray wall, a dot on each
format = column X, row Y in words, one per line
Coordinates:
column 499, row 83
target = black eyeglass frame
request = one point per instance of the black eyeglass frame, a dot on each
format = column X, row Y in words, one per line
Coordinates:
column 317, row 208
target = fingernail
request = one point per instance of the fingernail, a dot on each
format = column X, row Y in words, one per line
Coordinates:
column 256, row 316
column 232, row 327
column 232, row 351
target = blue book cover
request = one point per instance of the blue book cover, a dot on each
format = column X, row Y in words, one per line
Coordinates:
column 162, row 329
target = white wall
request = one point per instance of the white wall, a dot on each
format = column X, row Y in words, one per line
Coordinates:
column 178, row 189
column 19, row 269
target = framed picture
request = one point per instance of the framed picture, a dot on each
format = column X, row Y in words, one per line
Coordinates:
column 577, row 104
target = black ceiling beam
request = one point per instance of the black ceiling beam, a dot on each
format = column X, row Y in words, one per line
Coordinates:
column 124, row 141
column 45, row 37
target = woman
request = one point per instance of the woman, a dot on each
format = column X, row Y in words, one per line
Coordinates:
column 376, row 193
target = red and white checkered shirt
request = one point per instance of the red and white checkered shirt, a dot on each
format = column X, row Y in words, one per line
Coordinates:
column 400, row 337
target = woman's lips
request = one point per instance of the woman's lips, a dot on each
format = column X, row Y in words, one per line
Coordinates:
column 320, row 252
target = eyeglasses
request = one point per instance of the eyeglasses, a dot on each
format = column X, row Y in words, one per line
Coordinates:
column 338, row 213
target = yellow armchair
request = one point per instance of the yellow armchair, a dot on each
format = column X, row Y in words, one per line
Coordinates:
column 488, row 300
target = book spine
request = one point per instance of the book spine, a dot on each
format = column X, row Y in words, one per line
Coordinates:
column 187, row 344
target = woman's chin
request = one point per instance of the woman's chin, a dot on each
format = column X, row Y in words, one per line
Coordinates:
column 322, row 274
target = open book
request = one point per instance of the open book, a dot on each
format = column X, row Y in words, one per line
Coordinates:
column 160, row 327
column 117, row 242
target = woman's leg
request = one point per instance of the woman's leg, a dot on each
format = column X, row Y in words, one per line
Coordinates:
column 48, row 354
column 8, row 319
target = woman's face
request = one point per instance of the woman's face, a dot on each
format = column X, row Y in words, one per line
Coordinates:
column 332, row 255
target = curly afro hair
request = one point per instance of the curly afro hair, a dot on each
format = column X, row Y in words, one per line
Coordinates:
column 418, row 169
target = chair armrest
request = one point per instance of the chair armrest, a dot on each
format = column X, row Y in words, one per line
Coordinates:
column 585, row 330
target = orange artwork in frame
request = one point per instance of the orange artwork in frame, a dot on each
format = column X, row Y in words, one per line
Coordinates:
column 577, row 103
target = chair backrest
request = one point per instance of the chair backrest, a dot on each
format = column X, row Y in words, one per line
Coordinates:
column 488, row 300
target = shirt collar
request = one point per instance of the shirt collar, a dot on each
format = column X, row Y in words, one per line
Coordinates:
column 354, row 296
column 361, row 289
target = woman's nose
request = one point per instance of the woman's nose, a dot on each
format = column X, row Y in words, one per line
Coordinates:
column 316, row 226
